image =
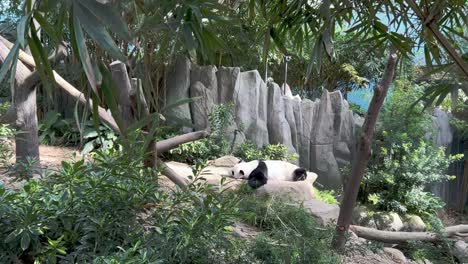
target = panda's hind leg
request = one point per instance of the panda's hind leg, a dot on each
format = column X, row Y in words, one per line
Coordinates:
column 259, row 176
column 300, row 174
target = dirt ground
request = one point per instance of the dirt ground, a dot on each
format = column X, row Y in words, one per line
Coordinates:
column 51, row 159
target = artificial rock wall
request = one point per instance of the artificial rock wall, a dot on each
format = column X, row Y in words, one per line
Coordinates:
column 322, row 132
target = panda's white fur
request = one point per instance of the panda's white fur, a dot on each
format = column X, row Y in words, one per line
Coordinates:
column 277, row 169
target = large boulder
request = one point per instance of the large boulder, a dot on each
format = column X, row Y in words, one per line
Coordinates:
column 250, row 99
column 461, row 251
column 299, row 191
column 414, row 223
column 177, row 88
column 396, row 255
column 388, row 221
column 323, row 213
column 363, row 217
column 278, row 127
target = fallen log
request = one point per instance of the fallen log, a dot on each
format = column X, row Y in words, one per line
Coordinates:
column 403, row 237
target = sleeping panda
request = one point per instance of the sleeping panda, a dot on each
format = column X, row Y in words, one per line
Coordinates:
column 259, row 172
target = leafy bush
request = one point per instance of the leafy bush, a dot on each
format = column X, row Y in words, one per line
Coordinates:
column 6, row 135
column 357, row 109
column 215, row 146
column 218, row 144
column 401, row 120
column 325, row 196
column 248, row 151
column 102, row 139
column 397, row 177
column 54, row 130
column 88, row 212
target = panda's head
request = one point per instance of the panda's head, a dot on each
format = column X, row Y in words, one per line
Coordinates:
column 243, row 169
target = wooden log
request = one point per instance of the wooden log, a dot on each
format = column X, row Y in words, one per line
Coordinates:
column 403, row 237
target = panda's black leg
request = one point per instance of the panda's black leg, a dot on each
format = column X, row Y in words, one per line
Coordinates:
column 257, row 179
column 300, row 174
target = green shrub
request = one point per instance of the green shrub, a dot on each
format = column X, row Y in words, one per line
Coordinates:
column 53, row 130
column 397, row 178
column 357, row 109
column 401, row 120
column 325, row 196
column 213, row 147
column 88, row 211
column 218, row 145
column 248, row 152
column 6, row 146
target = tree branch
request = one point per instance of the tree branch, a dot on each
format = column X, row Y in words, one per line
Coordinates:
column 434, row 29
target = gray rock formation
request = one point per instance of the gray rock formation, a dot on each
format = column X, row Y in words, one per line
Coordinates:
column 228, row 82
column 201, row 107
column 250, row 98
column 414, row 223
column 322, row 132
column 388, row 221
column 461, row 251
column 442, row 134
column 278, row 127
column 177, row 88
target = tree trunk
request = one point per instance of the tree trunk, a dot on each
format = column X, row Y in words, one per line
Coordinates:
column 434, row 29
column 363, row 153
column 24, row 105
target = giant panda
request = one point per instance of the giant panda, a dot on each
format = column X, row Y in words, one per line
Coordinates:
column 259, row 172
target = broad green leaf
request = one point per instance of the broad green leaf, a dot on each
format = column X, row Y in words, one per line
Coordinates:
column 98, row 32
column 84, row 55
column 107, row 16
column 42, row 61
column 88, row 147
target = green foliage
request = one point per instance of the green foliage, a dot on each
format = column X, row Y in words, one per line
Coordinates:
column 248, row 152
column 357, row 109
column 88, row 212
column 53, row 130
column 4, row 108
column 290, row 234
column 459, row 122
column 102, row 139
column 400, row 120
column 397, row 178
column 215, row 146
column 325, row 196
column 6, row 147
column 218, row 145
